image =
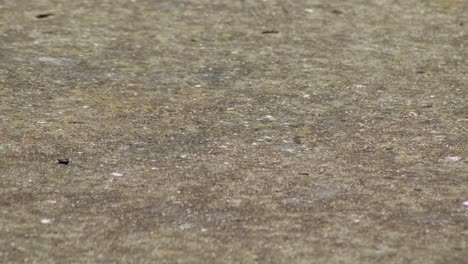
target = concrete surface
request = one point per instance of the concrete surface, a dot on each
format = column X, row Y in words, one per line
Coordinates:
column 233, row 131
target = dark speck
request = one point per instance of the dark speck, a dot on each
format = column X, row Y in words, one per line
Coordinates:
column 63, row 161
column 44, row 15
column 420, row 72
column 337, row 12
column 298, row 140
column 74, row 122
column 270, row 32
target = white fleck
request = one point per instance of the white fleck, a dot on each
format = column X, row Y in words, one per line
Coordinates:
column 223, row 146
column 197, row 86
column 453, row 158
column 185, row 226
column 155, row 168
column 289, row 150
column 204, row 229
column 306, row 96
column 56, row 61
column 227, row 163
column 42, row 122
column 52, row 201
column 86, row 106
column 268, row 118
column 46, row 221
column 465, row 203
column 183, row 156
column 254, row 144
column 432, row 96
column 360, row 86
column 309, row 10
column 117, row 174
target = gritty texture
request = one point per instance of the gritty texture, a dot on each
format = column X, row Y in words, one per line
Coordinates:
column 247, row 131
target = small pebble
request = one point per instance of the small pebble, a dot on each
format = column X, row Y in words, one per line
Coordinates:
column 117, row 174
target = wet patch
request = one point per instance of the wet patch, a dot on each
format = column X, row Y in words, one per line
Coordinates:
column 428, row 218
column 311, row 197
column 187, row 217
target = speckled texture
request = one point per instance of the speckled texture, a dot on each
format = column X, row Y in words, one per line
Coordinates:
column 233, row 131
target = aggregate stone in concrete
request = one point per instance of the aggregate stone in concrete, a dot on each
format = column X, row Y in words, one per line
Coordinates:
column 146, row 131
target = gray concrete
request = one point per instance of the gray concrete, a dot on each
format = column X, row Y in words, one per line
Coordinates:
column 233, row 131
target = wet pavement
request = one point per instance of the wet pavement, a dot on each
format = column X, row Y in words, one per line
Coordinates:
column 233, row 131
